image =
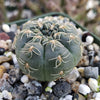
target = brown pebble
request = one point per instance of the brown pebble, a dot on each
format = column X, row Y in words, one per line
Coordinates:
column 4, row 36
column 3, row 44
column 3, row 68
column 75, row 86
column 1, row 73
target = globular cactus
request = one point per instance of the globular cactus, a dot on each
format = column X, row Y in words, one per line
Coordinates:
column 48, row 48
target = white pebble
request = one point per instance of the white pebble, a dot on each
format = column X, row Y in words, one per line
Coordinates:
column 91, row 4
column 90, row 47
column 13, row 27
column 52, row 83
column 96, row 47
column 91, row 15
column 89, row 39
column 6, row 28
column 96, row 96
column 67, row 97
column 14, row 59
column 6, row 65
column 84, row 89
column 6, row 95
column 93, row 84
column 24, row 79
column 97, row 58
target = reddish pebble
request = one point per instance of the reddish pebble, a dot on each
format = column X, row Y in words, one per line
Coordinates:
column 4, row 36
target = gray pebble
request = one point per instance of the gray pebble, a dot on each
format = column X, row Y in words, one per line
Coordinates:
column 62, row 88
column 4, row 85
column 33, row 87
column 14, row 75
column 91, row 72
column 32, row 98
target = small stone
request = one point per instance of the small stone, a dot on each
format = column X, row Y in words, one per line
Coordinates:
column 75, row 86
column 19, row 92
column 91, row 72
column 81, row 97
column 89, row 39
column 32, row 98
column 73, row 75
column 67, row 97
column 91, row 15
column 6, row 28
column 93, row 84
column 96, row 47
column 11, row 35
column 84, row 89
column 14, row 75
column 90, row 47
column 61, row 88
column 34, row 88
column 6, row 95
column 13, row 27
column 24, row 79
column 3, row 68
column 2, row 50
column 97, row 64
column 4, row 36
column 81, row 71
column 83, row 81
column 52, row 83
column 96, row 96
column 3, row 44
column 1, row 73
column 97, row 58
column 6, row 65
column 9, row 43
column 4, row 85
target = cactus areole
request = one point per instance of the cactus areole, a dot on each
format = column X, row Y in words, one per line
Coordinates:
column 48, row 48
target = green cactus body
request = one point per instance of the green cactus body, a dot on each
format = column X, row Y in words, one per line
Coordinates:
column 48, row 49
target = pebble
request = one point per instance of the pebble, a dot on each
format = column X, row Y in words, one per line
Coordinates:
column 3, row 44
column 20, row 92
column 81, row 97
column 1, row 73
column 75, row 86
column 24, row 79
column 89, row 39
column 11, row 35
column 13, row 27
column 6, row 28
column 73, row 75
column 81, row 71
column 4, row 36
column 67, row 97
column 34, row 88
column 96, row 47
column 97, row 58
column 91, row 72
column 84, row 89
column 9, row 43
column 96, row 96
column 51, row 84
column 6, row 95
column 2, row 50
column 4, row 85
column 93, row 84
column 14, row 75
column 32, row 98
column 90, row 47
column 91, row 15
column 6, row 65
column 61, row 88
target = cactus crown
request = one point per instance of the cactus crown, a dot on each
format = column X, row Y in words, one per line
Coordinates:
column 48, row 48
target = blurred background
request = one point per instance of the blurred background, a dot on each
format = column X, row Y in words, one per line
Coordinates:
column 85, row 12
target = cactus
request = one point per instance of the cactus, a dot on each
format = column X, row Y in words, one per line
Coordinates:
column 48, row 48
